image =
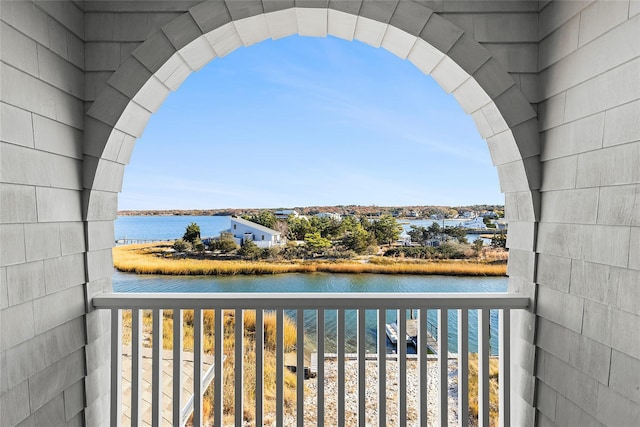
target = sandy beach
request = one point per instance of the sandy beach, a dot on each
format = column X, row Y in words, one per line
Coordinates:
column 371, row 378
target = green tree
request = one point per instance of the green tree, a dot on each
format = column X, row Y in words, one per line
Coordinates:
column 450, row 250
column 316, row 243
column 458, row 233
column 249, row 250
column 264, row 218
column 417, row 234
column 348, row 223
column 198, row 245
column 499, row 240
column 329, row 228
column 477, row 245
column 181, row 245
column 225, row 243
column 435, row 231
column 422, row 235
column 386, row 229
column 191, row 233
column 299, row 227
column 487, row 222
column 358, row 239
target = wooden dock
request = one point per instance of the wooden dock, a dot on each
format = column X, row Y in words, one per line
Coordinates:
column 412, row 331
column 412, row 335
column 120, row 242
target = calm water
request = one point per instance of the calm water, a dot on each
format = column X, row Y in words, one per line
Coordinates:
column 331, row 283
column 172, row 227
column 167, row 227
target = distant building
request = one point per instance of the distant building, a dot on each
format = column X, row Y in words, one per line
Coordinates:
column 489, row 214
column 433, row 243
column 262, row 236
column 331, row 215
column 477, row 222
column 285, row 213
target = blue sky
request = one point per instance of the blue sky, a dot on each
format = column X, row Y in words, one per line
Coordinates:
column 309, row 122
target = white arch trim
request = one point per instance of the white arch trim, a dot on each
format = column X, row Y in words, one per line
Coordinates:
column 217, row 43
column 438, row 48
column 161, row 64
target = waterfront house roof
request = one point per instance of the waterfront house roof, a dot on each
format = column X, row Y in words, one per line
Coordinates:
column 284, row 213
column 255, row 226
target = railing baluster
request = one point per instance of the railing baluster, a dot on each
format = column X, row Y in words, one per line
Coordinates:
column 177, row 367
column 422, row 356
column 197, row 367
column 402, row 367
column 259, row 365
column 156, row 370
column 463, row 367
column 504, row 373
column 238, row 366
column 300, row 367
column 116, row 367
column 362, row 385
column 136, row 367
column 218, row 360
column 320, row 376
column 443, row 366
column 483, row 368
column 279, row 368
column 341, row 378
column 382, row 367
column 280, row 302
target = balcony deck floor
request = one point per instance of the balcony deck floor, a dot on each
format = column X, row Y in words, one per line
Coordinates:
column 167, row 384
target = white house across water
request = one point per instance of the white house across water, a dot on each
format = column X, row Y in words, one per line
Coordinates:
column 262, row 236
column 285, row 213
column 477, row 222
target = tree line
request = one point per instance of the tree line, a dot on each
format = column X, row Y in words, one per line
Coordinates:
column 338, row 238
column 358, row 234
column 320, row 235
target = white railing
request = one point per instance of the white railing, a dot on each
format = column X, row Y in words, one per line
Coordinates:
column 315, row 309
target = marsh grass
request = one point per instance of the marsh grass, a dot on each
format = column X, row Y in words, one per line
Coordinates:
column 149, row 259
column 493, row 389
column 249, row 366
column 229, row 370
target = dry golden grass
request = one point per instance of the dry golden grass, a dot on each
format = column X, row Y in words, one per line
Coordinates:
column 148, row 259
column 249, row 368
column 493, row 388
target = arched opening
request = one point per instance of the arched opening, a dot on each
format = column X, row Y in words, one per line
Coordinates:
column 136, row 90
column 459, row 64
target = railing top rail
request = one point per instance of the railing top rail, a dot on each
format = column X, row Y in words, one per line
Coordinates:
column 273, row 300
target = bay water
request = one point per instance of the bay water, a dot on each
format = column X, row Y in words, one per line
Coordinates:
column 171, row 227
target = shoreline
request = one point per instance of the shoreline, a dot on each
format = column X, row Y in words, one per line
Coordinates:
column 149, row 259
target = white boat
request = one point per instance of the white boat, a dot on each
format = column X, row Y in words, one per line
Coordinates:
column 392, row 333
